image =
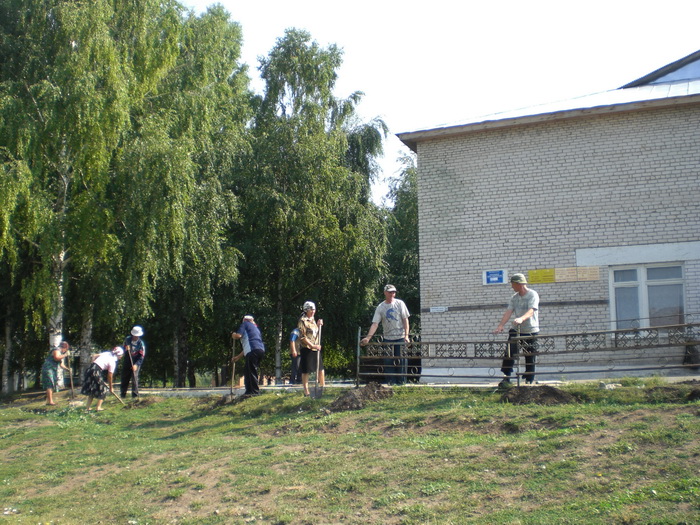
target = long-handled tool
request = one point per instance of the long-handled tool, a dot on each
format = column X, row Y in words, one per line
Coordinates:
column 70, row 374
column 134, row 374
column 119, row 398
column 318, row 387
column 233, row 364
column 111, row 391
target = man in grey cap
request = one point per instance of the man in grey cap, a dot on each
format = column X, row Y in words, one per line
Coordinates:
column 525, row 304
column 393, row 314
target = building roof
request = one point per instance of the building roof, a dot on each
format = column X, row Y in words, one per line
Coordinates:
column 675, row 83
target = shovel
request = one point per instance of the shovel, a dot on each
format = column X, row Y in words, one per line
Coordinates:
column 317, row 392
column 233, row 367
column 70, row 374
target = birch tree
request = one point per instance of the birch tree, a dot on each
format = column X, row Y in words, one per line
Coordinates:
column 309, row 231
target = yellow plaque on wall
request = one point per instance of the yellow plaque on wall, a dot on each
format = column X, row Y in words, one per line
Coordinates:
column 545, row 275
column 588, row 273
column 566, row 275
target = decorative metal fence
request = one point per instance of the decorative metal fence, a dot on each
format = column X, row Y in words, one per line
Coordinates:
column 647, row 350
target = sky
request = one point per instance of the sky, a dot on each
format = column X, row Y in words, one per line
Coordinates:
column 426, row 64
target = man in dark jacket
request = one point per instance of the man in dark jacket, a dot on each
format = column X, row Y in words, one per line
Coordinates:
column 253, row 350
column 135, row 350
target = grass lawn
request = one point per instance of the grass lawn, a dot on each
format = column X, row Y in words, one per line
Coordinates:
column 422, row 455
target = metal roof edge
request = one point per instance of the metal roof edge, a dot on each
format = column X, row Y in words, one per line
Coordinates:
column 412, row 138
column 662, row 71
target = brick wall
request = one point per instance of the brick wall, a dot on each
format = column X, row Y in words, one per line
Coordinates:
column 527, row 197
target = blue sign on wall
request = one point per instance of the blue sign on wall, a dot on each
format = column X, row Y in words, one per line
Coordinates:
column 495, row 276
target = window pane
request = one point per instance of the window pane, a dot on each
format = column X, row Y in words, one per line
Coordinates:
column 666, row 304
column 667, row 272
column 622, row 276
column 627, row 307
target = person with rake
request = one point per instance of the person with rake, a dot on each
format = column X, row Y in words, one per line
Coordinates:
column 310, row 341
column 135, row 348
column 102, row 368
column 49, row 370
column 253, row 350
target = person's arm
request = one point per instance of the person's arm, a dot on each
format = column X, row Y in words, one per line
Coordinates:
column 140, row 355
column 520, row 320
column 238, row 356
column 406, row 330
column 370, row 333
column 303, row 340
column 110, row 376
column 310, row 344
column 503, row 322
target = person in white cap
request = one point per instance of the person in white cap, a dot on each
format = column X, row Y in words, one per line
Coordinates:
column 100, row 370
column 310, row 342
column 135, row 350
column 393, row 314
column 525, row 305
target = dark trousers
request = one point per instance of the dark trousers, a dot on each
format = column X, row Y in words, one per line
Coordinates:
column 295, row 376
column 128, row 374
column 252, row 372
column 397, row 364
column 522, row 346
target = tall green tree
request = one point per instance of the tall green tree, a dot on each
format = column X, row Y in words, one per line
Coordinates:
column 403, row 237
column 65, row 96
column 177, row 203
column 309, row 231
column 120, row 122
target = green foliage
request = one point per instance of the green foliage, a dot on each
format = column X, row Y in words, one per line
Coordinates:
column 143, row 183
column 322, row 239
column 403, row 239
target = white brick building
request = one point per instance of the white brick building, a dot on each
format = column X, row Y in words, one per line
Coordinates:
column 596, row 200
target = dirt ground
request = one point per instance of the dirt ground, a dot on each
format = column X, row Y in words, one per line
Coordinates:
column 539, row 395
column 357, row 398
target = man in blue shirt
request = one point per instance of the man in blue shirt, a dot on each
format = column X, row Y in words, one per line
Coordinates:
column 295, row 353
column 253, row 350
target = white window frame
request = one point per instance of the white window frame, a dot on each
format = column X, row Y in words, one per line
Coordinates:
column 642, row 284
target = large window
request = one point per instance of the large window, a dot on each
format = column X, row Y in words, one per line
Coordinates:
column 647, row 296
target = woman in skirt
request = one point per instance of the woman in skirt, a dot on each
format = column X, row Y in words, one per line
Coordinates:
column 102, row 369
column 49, row 371
column 311, row 358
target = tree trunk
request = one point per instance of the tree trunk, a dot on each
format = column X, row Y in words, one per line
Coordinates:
column 176, row 356
column 181, row 351
column 56, row 317
column 278, row 334
column 191, row 377
column 85, row 341
column 8, row 352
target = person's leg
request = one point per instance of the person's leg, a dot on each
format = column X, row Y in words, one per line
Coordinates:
column 246, row 376
column 508, row 360
column 135, row 383
column 400, row 362
column 294, row 374
column 529, row 347
column 253, row 363
column 305, row 369
column 49, row 396
column 89, row 402
column 391, row 364
column 99, row 408
column 126, row 376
